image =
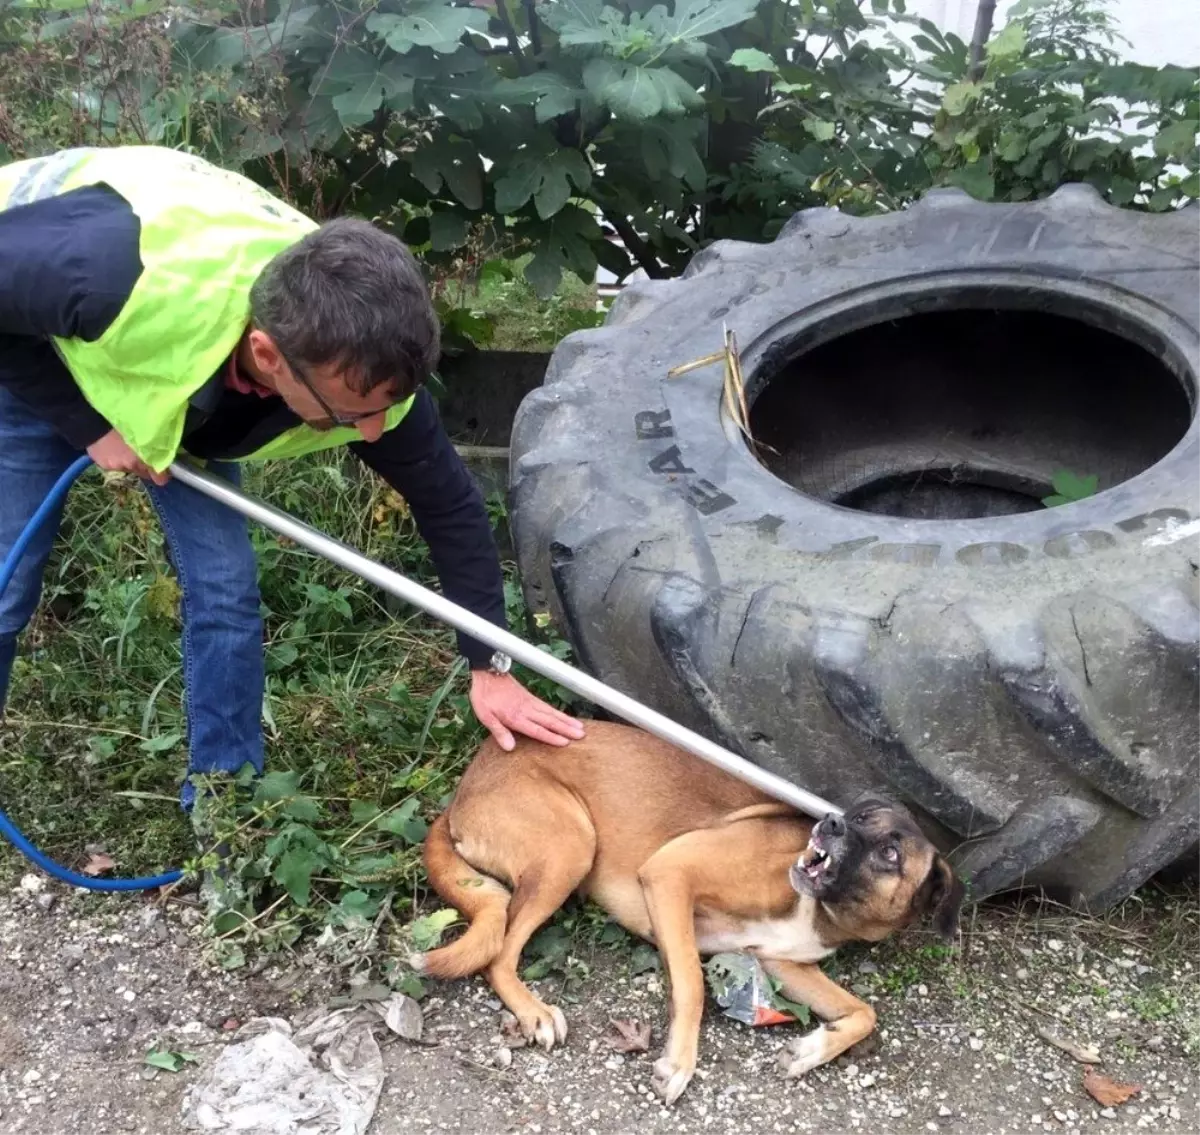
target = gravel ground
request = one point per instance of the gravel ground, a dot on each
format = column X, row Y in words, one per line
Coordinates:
column 89, row 984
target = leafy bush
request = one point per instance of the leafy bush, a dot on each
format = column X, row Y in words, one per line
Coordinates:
column 514, row 128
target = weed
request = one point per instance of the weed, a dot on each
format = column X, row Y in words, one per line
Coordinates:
column 366, row 713
column 1156, row 1004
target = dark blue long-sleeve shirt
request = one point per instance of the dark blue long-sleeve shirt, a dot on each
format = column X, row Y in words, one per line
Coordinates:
column 68, row 265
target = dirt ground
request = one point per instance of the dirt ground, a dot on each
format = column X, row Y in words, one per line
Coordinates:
column 89, row 984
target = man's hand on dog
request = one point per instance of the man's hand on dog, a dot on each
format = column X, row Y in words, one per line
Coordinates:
column 503, row 705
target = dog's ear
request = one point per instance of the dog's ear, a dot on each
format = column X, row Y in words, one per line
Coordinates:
column 944, row 892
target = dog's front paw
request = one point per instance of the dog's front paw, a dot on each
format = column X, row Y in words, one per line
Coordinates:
column 544, row 1025
column 670, row 1079
column 806, row 1052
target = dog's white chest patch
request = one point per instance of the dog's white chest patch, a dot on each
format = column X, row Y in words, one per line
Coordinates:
column 792, row 939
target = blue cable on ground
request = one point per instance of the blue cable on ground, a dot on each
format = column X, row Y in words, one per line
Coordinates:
column 7, row 828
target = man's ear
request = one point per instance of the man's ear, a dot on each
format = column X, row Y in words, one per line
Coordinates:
column 946, row 894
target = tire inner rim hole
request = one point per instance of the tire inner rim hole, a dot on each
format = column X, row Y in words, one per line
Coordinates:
column 968, row 413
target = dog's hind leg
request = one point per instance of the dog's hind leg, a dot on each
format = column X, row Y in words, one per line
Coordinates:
column 566, row 849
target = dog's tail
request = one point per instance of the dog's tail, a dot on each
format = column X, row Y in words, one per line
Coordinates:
column 480, row 899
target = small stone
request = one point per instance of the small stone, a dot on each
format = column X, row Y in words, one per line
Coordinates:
column 1054, row 944
column 975, row 1043
column 1061, row 1116
column 931, row 1126
column 1156, row 1042
column 502, row 1057
column 1108, row 1113
column 867, row 1081
column 944, row 1112
column 897, row 1112
column 923, row 990
column 31, row 1077
column 46, row 900
column 1174, row 1113
column 1022, row 974
column 31, row 884
column 614, row 1062
column 1036, row 1118
column 129, row 995
column 868, row 967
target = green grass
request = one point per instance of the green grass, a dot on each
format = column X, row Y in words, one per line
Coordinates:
column 365, row 705
column 500, row 310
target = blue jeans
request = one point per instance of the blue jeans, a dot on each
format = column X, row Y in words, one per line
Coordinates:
column 209, row 547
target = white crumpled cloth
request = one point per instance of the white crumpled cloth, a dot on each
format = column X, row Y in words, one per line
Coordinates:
column 323, row 1080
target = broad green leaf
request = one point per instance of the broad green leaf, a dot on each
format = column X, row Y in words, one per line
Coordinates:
column 226, row 47
column 161, row 743
column 277, row 785
column 315, row 125
column 1073, row 486
column 432, row 24
column 427, row 932
column 356, row 906
column 820, row 129
column 358, row 84
column 958, row 97
column 692, row 20
column 1009, row 43
column 549, row 92
column 230, row 955
column 363, row 810
column 633, row 91
column 644, row 958
column 448, row 230
column 546, row 177
column 562, row 243
column 1011, row 147
column 294, row 872
column 405, row 822
column 751, row 59
column 587, row 23
column 1122, row 190
column 304, row 809
column 167, row 1059
column 456, row 163
column 1189, row 186
column 460, row 97
column 976, row 179
column 1177, row 141
column 668, row 148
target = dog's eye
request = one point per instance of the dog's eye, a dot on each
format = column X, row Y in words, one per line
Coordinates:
column 891, row 853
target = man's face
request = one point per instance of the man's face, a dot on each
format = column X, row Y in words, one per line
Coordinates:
column 319, row 395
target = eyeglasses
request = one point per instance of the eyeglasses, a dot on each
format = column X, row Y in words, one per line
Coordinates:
column 336, row 416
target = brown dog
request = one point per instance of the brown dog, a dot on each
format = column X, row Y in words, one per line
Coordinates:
column 686, row 856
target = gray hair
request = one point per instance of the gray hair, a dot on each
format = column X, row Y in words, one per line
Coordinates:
column 351, row 295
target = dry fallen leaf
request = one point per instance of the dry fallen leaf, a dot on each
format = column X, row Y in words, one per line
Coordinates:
column 628, row 1036
column 1080, row 1052
column 1106, row 1092
column 403, row 1016
column 98, row 863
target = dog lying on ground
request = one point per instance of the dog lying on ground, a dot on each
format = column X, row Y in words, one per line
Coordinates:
column 686, row 856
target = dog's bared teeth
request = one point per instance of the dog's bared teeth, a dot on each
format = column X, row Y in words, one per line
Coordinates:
column 813, row 860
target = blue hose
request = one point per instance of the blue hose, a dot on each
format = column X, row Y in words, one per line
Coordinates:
column 7, row 828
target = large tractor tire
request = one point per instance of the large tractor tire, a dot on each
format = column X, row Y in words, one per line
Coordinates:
column 874, row 595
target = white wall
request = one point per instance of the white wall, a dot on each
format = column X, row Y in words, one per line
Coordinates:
column 1159, row 31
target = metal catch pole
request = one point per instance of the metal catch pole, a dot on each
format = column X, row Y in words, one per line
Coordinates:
column 497, row 638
